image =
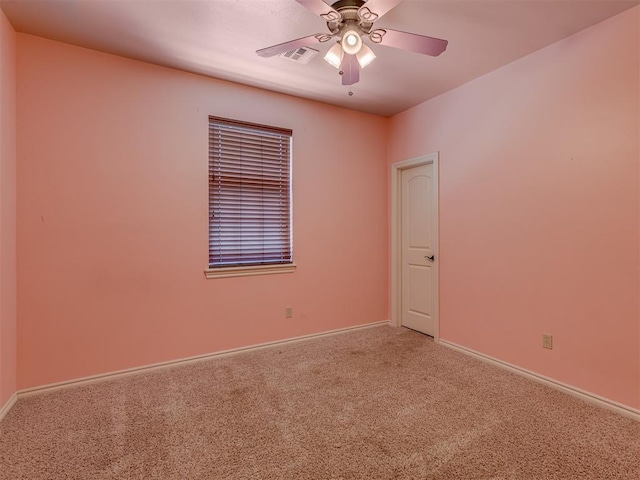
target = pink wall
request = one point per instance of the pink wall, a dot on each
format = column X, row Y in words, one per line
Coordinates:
column 7, row 210
column 112, row 217
column 539, row 208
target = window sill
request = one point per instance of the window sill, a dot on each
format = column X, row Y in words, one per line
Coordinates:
column 248, row 271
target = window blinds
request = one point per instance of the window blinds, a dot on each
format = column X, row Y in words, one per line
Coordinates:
column 249, row 194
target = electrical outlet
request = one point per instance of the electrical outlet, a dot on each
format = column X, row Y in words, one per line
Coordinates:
column 288, row 312
column 547, row 341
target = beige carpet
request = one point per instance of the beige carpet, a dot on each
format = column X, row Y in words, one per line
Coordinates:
column 380, row 403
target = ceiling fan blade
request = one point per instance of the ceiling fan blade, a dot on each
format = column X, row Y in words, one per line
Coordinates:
column 350, row 70
column 292, row 45
column 321, row 9
column 409, row 41
column 374, row 9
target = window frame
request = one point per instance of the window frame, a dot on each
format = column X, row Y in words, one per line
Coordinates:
column 216, row 163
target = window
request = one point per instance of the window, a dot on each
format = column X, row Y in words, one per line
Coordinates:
column 249, row 199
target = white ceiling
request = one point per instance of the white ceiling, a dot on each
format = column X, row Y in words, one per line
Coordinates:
column 219, row 38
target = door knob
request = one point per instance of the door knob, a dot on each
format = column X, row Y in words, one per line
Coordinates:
column 430, row 258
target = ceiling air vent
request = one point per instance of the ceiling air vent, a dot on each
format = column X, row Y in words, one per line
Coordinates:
column 300, row 55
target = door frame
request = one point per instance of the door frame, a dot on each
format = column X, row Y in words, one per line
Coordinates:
column 396, row 229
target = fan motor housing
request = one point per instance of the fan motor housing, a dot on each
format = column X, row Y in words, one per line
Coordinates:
column 342, row 4
column 348, row 10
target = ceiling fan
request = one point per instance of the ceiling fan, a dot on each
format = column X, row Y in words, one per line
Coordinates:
column 351, row 21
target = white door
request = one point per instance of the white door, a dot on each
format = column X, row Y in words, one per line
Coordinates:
column 418, row 255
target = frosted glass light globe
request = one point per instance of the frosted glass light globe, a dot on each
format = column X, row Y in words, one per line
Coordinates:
column 351, row 41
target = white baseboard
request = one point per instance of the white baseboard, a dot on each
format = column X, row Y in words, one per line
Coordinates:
column 7, row 406
column 571, row 390
column 184, row 361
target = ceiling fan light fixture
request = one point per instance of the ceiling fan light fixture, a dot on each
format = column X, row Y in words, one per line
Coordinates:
column 365, row 56
column 334, row 56
column 351, row 41
column 348, row 22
